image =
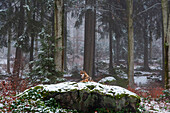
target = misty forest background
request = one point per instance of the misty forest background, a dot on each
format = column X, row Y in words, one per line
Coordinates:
column 42, row 40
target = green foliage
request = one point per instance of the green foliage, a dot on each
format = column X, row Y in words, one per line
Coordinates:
column 23, row 42
column 33, row 101
column 44, row 67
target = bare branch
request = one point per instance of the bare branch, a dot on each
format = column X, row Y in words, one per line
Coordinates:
column 148, row 9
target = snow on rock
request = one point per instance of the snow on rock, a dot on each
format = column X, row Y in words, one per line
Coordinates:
column 105, row 89
column 90, row 96
column 107, row 79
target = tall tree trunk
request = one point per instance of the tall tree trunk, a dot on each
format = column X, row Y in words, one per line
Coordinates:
column 9, row 49
column 18, row 54
column 9, row 41
column 150, row 44
column 89, row 45
column 146, row 66
column 110, row 49
column 32, row 38
column 117, row 47
column 130, row 44
column 58, row 29
column 166, row 38
column 65, row 39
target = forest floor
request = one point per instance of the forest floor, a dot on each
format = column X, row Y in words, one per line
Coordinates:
column 154, row 98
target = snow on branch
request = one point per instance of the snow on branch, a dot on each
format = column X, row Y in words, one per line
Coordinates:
column 148, row 9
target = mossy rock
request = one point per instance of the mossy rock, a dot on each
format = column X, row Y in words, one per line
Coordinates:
column 89, row 96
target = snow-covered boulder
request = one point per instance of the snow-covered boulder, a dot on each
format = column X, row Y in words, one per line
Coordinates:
column 89, row 96
column 107, row 79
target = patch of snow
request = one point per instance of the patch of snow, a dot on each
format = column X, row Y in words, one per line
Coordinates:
column 3, row 61
column 2, row 71
column 140, row 80
column 143, row 72
column 156, row 107
column 105, row 61
column 137, row 67
column 1, row 105
column 155, row 67
column 67, row 75
column 104, row 89
column 61, row 79
column 3, row 10
column 27, row 7
column 107, row 79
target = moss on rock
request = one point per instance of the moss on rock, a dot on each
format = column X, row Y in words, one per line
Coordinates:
column 87, row 97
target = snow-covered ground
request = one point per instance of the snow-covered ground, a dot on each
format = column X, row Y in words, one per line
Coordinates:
column 107, row 79
column 155, row 107
column 3, row 61
column 140, row 80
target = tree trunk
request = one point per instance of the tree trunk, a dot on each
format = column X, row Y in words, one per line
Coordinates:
column 9, row 49
column 166, row 38
column 146, row 66
column 130, row 44
column 65, row 40
column 18, row 54
column 58, row 29
column 117, row 48
column 32, row 39
column 9, row 42
column 150, row 44
column 110, row 49
column 89, row 45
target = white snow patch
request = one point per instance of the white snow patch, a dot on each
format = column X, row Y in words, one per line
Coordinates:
column 143, row 72
column 140, row 80
column 155, row 67
column 155, row 107
column 67, row 75
column 104, row 89
column 105, row 61
column 1, row 105
column 3, row 61
column 107, row 79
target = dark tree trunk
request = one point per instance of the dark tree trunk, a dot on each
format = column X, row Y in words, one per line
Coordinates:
column 65, row 40
column 18, row 54
column 89, row 45
column 9, row 42
column 117, row 47
column 150, row 44
column 32, row 39
column 146, row 64
column 9, row 50
column 110, row 49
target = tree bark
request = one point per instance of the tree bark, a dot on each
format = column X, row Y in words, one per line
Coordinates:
column 166, row 38
column 58, row 30
column 150, row 44
column 65, row 39
column 9, row 49
column 18, row 54
column 146, row 66
column 89, row 44
column 117, row 48
column 130, row 44
column 32, row 39
column 110, row 49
